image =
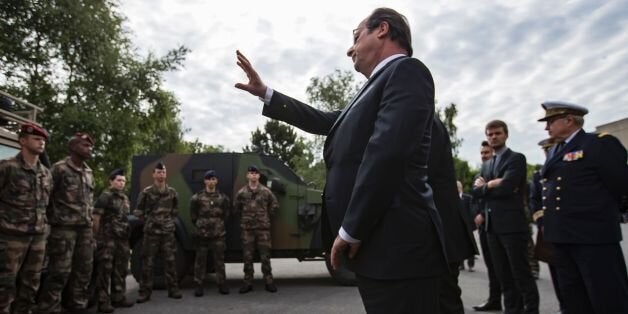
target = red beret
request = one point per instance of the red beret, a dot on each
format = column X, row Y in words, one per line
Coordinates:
column 29, row 128
column 83, row 136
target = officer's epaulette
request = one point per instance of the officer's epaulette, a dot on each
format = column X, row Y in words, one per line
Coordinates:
column 602, row 134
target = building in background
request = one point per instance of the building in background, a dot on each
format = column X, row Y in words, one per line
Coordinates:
column 618, row 128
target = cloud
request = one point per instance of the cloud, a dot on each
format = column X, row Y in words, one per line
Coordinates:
column 494, row 59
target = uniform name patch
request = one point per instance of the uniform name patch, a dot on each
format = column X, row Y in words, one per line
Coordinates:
column 575, row 155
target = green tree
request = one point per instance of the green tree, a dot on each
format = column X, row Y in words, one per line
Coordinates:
column 280, row 140
column 447, row 115
column 74, row 59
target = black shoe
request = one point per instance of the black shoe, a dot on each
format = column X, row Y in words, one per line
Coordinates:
column 246, row 289
column 105, row 308
column 123, row 303
column 143, row 298
column 198, row 292
column 223, row 289
column 78, row 311
column 270, row 287
column 488, row 306
column 175, row 294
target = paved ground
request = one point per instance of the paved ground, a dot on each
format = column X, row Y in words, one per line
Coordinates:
column 305, row 287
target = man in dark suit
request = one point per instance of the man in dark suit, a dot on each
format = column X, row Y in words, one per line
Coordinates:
column 459, row 241
column 583, row 180
column 500, row 184
column 466, row 206
column 377, row 199
column 494, row 302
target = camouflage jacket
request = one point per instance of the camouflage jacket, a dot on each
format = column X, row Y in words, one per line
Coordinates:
column 255, row 207
column 24, row 196
column 71, row 202
column 113, row 208
column 159, row 209
column 208, row 212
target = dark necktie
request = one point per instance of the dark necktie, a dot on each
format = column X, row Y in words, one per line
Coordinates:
column 559, row 146
column 493, row 166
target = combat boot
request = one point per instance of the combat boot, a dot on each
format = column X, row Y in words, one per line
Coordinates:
column 143, row 298
column 105, row 308
column 198, row 292
column 175, row 294
column 223, row 289
column 123, row 303
column 270, row 287
column 246, row 289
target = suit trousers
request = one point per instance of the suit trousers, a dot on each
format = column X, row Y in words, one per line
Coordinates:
column 592, row 278
column 416, row 295
column 495, row 290
column 450, row 300
column 510, row 258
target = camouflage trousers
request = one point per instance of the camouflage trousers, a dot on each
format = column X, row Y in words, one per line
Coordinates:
column 152, row 245
column 70, row 261
column 252, row 238
column 21, row 260
column 112, row 263
column 217, row 247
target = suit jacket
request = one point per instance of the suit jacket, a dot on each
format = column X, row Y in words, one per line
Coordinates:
column 376, row 153
column 582, row 185
column 459, row 241
column 468, row 210
column 504, row 203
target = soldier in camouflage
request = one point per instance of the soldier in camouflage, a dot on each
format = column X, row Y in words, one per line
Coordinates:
column 70, row 246
column 255, row 204
column 111, row 225
column 157, row 206
column 25, row 186
column 209, row 209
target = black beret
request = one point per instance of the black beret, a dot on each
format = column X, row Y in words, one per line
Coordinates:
column 160, row 166
column 115, row 173
column 210, row 174
column 29, row 128
column 253, row 168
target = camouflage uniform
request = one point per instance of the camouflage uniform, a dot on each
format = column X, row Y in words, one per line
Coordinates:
column 70, row 245
column 208, row 212
column 159, row 210
column 112, row 254
column 255, row 208
column 24, row 194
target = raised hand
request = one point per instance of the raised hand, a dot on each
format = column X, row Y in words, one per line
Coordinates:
column 255, row 85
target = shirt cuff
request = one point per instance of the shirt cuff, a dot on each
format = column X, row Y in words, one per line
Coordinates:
column 345, row 236
column 267, row 96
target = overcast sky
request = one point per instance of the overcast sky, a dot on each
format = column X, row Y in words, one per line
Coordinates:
column 494, row 59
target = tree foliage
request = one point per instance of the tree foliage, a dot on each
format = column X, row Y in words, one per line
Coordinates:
column 447, row 115
column 74, row 59
column 280, row 140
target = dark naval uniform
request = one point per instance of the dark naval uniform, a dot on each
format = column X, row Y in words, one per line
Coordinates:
column 582, row 184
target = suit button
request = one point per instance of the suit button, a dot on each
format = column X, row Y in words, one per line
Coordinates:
column 544, row 207
column 544, row 179
column 558, row 198
column 557, row 208
column 558, row 188
column 544, row 197
column 559, row 178
column 544, row 188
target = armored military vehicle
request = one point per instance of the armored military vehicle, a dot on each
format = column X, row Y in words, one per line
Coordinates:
column 296, row 229
column 13, row 113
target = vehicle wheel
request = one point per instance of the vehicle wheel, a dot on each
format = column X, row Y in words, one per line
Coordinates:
column 159, row 278
column 343, row 276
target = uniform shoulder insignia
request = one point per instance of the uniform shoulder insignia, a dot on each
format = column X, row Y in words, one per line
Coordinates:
column 602, row 134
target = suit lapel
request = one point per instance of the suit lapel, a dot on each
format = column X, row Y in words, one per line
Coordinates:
column 357, row 97
column 500, row 164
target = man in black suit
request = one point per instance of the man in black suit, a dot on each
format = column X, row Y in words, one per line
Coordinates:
column 377, row 202
column 583, row 180
column 494, row 302
column 466, row 206
column 500, row 184
column 459, row 241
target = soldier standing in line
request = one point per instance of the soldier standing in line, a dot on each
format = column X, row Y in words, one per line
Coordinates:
column 70, row 244
column 111, row 225
column 209, row 209
column 25, row 186
column 157, row 205
column 255, row 204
